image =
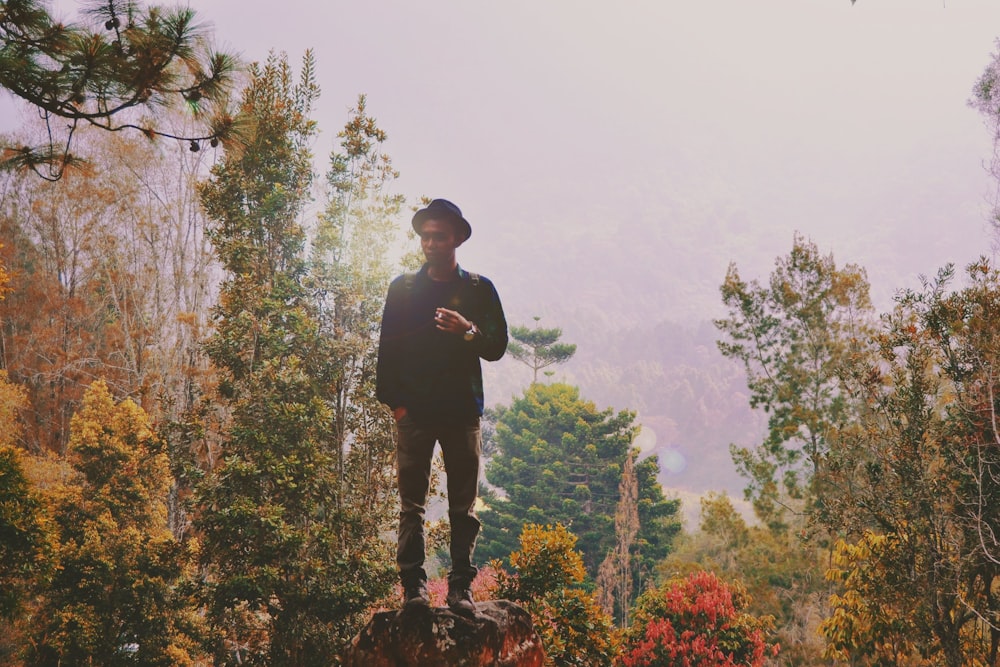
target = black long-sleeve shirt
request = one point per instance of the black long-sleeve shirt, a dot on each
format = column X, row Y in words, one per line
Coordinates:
column 437, row 375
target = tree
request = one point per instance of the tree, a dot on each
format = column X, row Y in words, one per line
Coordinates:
column 113, row 282
column 348, row 276
column 22, row 535
column 291, row 568
column 56, row 326
column 614, row 577
column 539, row 348
column 118, row 585
column 795, row 337
column 696, row 620
column 986, row 100
column 128, row 59
column 547, row 578
column 560, row 459
column 912, row 486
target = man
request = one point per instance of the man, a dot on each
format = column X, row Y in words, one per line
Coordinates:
column 437, row 325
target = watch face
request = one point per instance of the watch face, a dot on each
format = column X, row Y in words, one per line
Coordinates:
column 470, row 334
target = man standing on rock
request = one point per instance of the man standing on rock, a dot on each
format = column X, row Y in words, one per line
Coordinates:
column 438, row 323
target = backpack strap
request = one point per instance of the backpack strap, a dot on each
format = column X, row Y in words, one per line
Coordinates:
column 409, row 279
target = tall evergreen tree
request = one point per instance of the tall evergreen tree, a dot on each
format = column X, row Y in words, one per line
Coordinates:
column 349, row 273
column 288, row 570
column 559, row 459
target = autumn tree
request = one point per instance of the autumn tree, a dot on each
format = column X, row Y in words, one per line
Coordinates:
column 116, row 69
column 539, row 348
column 560, row 459
column 56, row 335
column 697, row 620
column 118, row 585
column 912, row 486
column 114, row 280
column 862, row 628
column 289, row 569
column 794, row 336
column 547, row 579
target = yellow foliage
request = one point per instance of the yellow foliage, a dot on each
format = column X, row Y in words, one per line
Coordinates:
column 115, row 448
column 4, row 279
column 13, row 398
column 547, row 557
column 862, row 624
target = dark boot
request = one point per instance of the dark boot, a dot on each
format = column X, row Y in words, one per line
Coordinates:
column 415, row 595
column 460, row 599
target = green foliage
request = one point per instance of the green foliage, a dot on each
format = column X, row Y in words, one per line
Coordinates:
column 696, row 620
column 126, row 59
column 21, row 534
column 547, row 579
column 795, row 337
column 539, row 348
column 348, row 277
column 560, row 459
column 292, row 562
column 117, row 593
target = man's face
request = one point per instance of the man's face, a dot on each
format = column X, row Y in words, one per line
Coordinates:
column 438, row 240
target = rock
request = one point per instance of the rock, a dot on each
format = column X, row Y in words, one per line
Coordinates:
column 500, row 635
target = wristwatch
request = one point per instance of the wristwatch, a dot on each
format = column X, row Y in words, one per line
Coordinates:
column 471, row 333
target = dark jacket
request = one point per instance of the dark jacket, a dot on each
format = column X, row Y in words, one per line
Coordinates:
column 433, row 374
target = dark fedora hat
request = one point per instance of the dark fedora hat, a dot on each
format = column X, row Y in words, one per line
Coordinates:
column 442, row 209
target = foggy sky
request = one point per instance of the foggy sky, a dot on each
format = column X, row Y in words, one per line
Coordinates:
column 847, row 123
column 561, row 118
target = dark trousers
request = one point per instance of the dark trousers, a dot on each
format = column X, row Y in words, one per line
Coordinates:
column 461, row 449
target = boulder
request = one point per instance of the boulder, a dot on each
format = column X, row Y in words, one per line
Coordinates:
column 501, row 635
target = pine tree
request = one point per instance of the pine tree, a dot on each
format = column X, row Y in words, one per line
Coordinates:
column 560, row 459
column 539, row 348
column 125, row 59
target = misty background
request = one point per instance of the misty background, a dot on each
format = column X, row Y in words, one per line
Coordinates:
column 614, row 158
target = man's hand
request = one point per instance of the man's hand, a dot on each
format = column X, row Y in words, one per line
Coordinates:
column 451, row 321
